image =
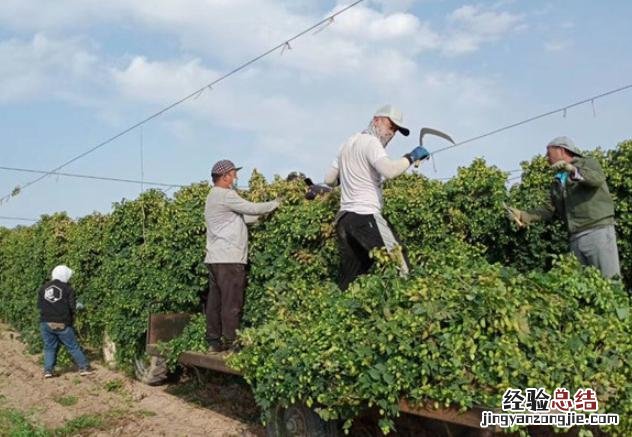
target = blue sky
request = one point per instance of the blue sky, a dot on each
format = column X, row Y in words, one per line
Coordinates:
column 75, row 72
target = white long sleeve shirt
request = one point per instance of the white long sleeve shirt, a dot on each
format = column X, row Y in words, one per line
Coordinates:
column 226, row 215
column 360, row 166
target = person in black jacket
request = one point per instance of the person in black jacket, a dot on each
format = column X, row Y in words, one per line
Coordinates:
column 313, row 190
column 57, row 306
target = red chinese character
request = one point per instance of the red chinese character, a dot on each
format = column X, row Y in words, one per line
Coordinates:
column 561, row 400
column 586, row 399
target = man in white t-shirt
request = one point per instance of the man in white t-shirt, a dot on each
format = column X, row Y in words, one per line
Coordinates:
column 361, row 165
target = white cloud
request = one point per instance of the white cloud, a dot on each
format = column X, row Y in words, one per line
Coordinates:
column 181, row 129
column 56, row 17
column 302, row 104
column 246, row 107
column 161, row 82
column 221, row 29
column 470, row 27
column 299, row 105
column 43, row 67
column 364, row 46
column 390, row 6
column 283, row 113
column 502, row 3
column 489, row 24
column 557, row 45
column 368, row 27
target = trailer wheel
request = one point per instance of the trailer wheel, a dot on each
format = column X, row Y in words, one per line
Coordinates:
column 299, row 421
column 150, row 370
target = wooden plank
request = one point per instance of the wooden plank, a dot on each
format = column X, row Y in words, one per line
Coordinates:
column 217, row 361
column 207, row 360
column 210, row 360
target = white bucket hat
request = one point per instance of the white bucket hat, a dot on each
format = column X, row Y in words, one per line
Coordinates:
column 395, row 115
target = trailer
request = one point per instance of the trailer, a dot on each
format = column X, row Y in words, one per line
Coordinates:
column 296, row 420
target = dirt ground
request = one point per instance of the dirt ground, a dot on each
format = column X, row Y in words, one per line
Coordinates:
column 107, row 403
column 117, row 405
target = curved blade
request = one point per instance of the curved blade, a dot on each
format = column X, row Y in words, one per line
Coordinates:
column 438, row 133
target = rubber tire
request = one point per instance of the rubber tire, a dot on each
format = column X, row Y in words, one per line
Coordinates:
column 151, row 370
column 147, row 369
column 299, row 421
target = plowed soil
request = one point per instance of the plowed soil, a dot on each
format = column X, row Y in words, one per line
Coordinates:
column 122, row 406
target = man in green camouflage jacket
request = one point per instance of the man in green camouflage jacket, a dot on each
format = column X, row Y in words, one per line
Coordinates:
column 579, row 196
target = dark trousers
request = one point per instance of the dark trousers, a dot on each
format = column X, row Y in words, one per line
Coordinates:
column 225, row 300
column 357, row 235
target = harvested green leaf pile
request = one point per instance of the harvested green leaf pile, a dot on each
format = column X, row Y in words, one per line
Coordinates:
column 487, row 306
column 458, row 331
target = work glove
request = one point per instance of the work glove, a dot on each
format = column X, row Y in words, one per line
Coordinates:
column 419, row 153
column 562, row 165
column 517, row 216
column 80, row 306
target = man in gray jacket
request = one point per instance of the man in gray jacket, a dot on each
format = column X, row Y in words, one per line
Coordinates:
column 226, row 215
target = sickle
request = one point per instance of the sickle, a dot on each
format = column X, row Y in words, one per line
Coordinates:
column 438, row 133
column 430, row 131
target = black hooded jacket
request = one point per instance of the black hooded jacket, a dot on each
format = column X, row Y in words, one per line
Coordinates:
column 56, row 302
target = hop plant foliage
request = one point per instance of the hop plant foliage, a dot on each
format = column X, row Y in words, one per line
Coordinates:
column 457, row 331
column 487, row 306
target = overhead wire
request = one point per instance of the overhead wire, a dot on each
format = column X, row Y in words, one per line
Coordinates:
column 458, row 144
column 20, row 219
column 102, row 178
column 563, row 110
column 284, row 45
column 328, row 20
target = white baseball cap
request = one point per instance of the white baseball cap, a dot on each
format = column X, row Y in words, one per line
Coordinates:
column 395, row 115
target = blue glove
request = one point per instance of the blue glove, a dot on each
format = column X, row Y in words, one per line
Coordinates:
column 419, row 153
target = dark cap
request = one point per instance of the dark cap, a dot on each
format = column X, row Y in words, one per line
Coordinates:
column 295, row 175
